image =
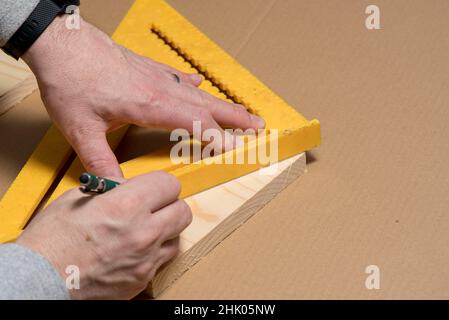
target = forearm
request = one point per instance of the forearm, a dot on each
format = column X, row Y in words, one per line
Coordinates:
column 12, row 14
column 24, row 274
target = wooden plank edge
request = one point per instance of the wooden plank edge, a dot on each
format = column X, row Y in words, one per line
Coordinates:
column 16, row 94
column 182, row 263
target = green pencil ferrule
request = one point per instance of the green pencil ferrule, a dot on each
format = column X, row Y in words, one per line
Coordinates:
column 91, row 183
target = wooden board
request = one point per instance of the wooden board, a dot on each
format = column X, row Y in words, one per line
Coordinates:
column 166, row 36
column 16, row 82
column 154, row 29
column 238, row 201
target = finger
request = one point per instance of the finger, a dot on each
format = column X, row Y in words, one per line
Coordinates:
column 186, row 78
column 234, row 115
column 195, row 119
column 180, row 114
column 96, row 154
column 144, row 62
column 154, row 262
column 171, row 220
column 168, row 251
column 196, row 78
column 210, row 129
column 173, row 113
column 146, row 193
column 193, row 79
column 228, row 115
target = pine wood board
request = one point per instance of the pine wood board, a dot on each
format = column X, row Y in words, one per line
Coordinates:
column 219, row 211
column 152, row 28
column 16, row 82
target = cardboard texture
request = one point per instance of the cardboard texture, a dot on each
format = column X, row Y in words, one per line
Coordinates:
column 238, row 200
column 376, row 190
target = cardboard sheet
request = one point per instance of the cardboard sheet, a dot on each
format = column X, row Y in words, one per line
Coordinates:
column 377, row 189
column 377, row 193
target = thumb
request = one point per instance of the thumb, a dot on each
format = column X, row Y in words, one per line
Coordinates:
column 97, row 156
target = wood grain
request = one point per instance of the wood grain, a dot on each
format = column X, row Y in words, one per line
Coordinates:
column 16, row 82
column 219, row 211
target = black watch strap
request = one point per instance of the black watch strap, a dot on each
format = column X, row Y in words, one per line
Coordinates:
column 41, row 17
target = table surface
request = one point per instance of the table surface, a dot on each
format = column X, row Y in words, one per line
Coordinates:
column 376, row 190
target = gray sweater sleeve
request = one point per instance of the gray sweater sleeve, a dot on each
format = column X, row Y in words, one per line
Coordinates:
column 24, row 274
column 13, row 14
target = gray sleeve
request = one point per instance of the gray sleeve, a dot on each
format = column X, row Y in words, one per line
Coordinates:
column 13, row 14
column 25, row 274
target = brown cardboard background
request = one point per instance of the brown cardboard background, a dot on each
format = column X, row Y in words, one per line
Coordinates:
column 377, row 192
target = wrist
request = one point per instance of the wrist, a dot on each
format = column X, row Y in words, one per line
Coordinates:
column 53, row 46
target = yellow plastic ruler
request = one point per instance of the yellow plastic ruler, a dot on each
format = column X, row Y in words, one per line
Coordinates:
column 154, row 29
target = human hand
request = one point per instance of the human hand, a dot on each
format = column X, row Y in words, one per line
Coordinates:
column 117, row 239
column 90, row 86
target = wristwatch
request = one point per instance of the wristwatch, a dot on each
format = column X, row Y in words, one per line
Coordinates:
column 41, row 17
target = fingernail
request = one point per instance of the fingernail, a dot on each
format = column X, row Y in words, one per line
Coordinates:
column 258, row 121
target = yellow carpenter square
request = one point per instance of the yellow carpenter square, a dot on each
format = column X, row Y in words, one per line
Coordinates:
column 153, row 29
column 33, row 181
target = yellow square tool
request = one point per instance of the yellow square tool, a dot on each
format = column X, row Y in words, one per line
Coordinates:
column 154, row 29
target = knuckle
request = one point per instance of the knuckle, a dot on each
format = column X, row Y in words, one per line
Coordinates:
column 153, row 97
column 202, row 97
column 129, row 203
column 162, row 177
column 204, row 116
column 97, row 164
column 138, row 242
column 172, row 251
column 237, row 109
column 147, row 97
column 143, row 271
column 153, row 236
column 110, row 226
column 185, row 213
column 77, row 134
column 241, row 113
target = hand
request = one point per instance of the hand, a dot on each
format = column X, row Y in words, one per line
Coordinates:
column 118, row 239
column 90, row 86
